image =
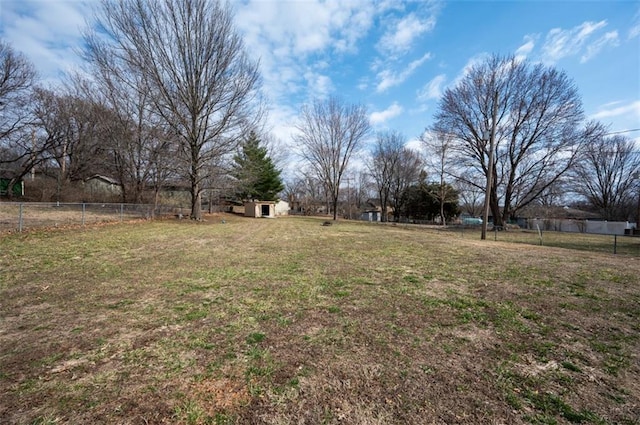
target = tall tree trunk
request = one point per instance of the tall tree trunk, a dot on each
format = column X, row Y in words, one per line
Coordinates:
column 196, row 200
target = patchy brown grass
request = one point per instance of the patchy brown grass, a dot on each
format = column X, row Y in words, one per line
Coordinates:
column 30, row 216
column 287, row 321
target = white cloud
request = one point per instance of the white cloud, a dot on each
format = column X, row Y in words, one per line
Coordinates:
column 305, row 27
column 634, row 31
column 381, row 117
column 415, row 145
column 318, row 85
column 47, row 32
column 388, row 78
column 401, row 36
column 363, row 84
column 615, row 109
column 473, row 61
column 609, row 39
column 297, row 40
column 561, row 43
column 523, row 51
column 433, row 89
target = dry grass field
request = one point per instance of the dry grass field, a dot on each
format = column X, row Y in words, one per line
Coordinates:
column 33, row 215
column 256, row 321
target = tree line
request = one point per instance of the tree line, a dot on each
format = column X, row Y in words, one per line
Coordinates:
column 172, row 94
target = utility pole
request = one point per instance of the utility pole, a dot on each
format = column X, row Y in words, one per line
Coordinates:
column 487, row 192
column 637, row 177
column 33, row 154
column 638, row 213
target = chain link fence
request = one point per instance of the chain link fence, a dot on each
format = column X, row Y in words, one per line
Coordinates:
column 20, row 216
column 627, row 244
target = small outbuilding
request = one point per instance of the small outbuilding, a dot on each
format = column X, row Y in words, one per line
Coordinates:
column 282, row 208
column 265, row 209
column 102, row 188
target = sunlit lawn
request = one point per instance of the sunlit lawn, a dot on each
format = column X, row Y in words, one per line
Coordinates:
column 289, row 321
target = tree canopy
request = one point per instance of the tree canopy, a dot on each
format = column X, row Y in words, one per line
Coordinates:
column 533, row 117
column 330, row 132
column 190, row 57
column 608, row 176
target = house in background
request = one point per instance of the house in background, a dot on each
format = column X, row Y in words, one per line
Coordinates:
column 102, row 188
column 371, row 215
column 372, row 210
column 282, row 208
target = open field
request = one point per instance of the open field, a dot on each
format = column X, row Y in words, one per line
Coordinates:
column 257, row 321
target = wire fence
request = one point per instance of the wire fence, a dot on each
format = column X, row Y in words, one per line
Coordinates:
column 607, row 243
column 21, row 216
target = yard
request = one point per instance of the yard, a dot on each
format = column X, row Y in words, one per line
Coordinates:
column 257, row 321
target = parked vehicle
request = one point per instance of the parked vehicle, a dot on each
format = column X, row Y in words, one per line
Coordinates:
column 472, row 221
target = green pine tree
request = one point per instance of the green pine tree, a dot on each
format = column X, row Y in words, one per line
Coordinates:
column 257, row 176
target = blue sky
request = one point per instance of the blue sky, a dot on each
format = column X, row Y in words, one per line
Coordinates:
column 396, row 57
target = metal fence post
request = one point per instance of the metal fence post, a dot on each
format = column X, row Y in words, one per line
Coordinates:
column 20, row 218
column 83, row 210
column 615, row 244
column 121, row 212
column 539, row 233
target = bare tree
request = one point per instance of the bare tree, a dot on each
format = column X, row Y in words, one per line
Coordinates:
column 19, row 151
column 384, row 164
column 17, row 78
column 439, row 148
column 305, row 192
column 407, row 171
column 607, row 176
column 293, row 193
column 470, row 195
column 330, row 132
column 363, row 189
column 140, row 144
column 193, row 60
column 554, row 195
column 532, row 115
column 393, row 168
column 75, row 129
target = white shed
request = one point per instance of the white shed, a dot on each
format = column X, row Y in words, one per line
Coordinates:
column 282, row 208
column 260, row 209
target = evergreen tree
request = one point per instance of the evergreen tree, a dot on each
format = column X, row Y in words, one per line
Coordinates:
column 421, row 202
column 257, row 176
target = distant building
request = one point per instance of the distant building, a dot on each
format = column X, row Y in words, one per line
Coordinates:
column 102, row 188
column 282, row 208
column 265, row 209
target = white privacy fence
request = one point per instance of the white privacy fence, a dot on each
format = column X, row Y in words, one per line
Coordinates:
column 582, row 226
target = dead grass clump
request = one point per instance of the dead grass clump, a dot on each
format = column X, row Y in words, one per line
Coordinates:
column 219, row 395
